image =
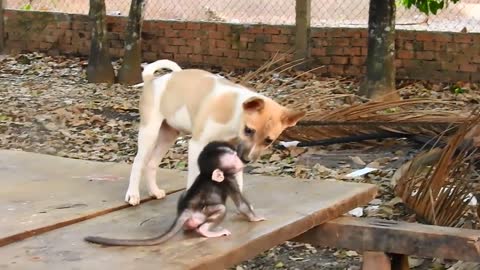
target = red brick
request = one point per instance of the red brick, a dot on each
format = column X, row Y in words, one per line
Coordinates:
column 463, row 38
column 342, row 60
column 225, row 28
column 359, row 42
column 171, row 49
column 231, row 53
column 402, row 54
column 443, row 37
column 398, row 63
column 45, row 45
column 187, row 34
column 171, row 33
column 215, row 35
column 193, row 26
column 341, row 42
column 358, row 61
column 246, row 55
column 177, row 41
column 179, row 26
column 424, row 36
column 408, row 45
column 468, row 67
column 208, row 26
column 247, row 37
column 429, row 46
column 274, row 47
column 318, row 51
column 195, row 58
column 476, row 59
column 279, row 39
column 150, row 56
column 334, row 51
column 254, row 30
column 286, row 30
column 320, row 42
column 352, row 51
column 364, row 51
column 185, row 49
column 324, row 60
column 222, row 44
column 425, row 55
column 317, row 33
column 272, row 30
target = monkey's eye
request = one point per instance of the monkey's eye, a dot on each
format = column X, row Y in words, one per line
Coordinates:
column 268, row 141
column 249, row 132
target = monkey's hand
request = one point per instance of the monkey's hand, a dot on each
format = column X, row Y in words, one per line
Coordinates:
column 256, row 218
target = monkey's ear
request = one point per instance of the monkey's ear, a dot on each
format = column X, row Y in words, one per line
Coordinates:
column 217, row 175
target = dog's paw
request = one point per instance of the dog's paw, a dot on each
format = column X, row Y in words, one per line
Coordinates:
column 157, row 193
column 133, row 198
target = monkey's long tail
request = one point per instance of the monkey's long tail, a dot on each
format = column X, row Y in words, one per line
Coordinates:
column 174, row 228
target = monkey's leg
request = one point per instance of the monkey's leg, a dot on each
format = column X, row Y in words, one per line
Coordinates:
column 215, row 215
column 166, row 137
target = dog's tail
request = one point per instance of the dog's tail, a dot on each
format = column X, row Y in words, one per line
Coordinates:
column 148, row 73
column 149, row 70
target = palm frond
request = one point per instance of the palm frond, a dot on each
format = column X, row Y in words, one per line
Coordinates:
column 437, row 183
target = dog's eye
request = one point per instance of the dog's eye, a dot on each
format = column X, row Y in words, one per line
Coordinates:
column 268, row 141
column 249, row 132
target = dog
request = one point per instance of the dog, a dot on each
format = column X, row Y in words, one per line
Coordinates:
column 206, row 106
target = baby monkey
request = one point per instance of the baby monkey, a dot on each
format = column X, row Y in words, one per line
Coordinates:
column 202, row 207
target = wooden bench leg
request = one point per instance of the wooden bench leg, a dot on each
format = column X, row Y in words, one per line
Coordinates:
column 374, row 260
column 399, row 262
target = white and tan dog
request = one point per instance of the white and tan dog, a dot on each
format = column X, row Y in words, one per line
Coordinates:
column 207, row 106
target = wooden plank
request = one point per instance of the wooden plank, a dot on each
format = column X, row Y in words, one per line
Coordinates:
column 365, row 234
column 41, row 192
column 302, row 29
column 291, row 206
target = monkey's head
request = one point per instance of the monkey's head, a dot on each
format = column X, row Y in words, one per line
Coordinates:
column 219, row 159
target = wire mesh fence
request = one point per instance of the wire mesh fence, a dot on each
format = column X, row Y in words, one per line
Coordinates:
column 462, row 16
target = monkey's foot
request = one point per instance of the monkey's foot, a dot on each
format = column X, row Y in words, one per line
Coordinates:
column 257, row 218
column 211, row 234
column 132, row 197
column 157, row 193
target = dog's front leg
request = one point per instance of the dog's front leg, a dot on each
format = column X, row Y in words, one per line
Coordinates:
column 194, row 149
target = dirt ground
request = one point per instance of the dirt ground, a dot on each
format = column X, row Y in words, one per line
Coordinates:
column 327, row 13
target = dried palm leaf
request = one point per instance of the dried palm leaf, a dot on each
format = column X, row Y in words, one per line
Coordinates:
column 437, row 184
column 407, row 117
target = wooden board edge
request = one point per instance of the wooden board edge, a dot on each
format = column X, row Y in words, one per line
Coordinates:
column 47, row 228
column 274, row 238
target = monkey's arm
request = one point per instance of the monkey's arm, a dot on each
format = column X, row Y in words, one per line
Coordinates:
column 241, row 202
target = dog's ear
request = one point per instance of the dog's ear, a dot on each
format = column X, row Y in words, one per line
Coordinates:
column 291, row 117
column 253, row 104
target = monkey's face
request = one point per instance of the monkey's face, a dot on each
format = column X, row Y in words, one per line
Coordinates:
column 229, row 162
column 263, row 121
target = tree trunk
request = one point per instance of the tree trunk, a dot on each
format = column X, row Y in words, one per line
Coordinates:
column 2, row 30
column 379, row 83
column 100, row 69
column 131, row 72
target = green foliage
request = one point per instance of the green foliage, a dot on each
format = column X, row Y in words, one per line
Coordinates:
column 427, row 6
column 26, row 7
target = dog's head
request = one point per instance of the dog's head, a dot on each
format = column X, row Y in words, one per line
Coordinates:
column 262, row 122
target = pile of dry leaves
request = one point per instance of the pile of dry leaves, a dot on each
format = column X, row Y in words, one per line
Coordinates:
column 48, row 107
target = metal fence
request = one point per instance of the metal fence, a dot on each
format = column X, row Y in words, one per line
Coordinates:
column 325, row 13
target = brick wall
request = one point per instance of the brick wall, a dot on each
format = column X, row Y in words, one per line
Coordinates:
column 419, row 55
